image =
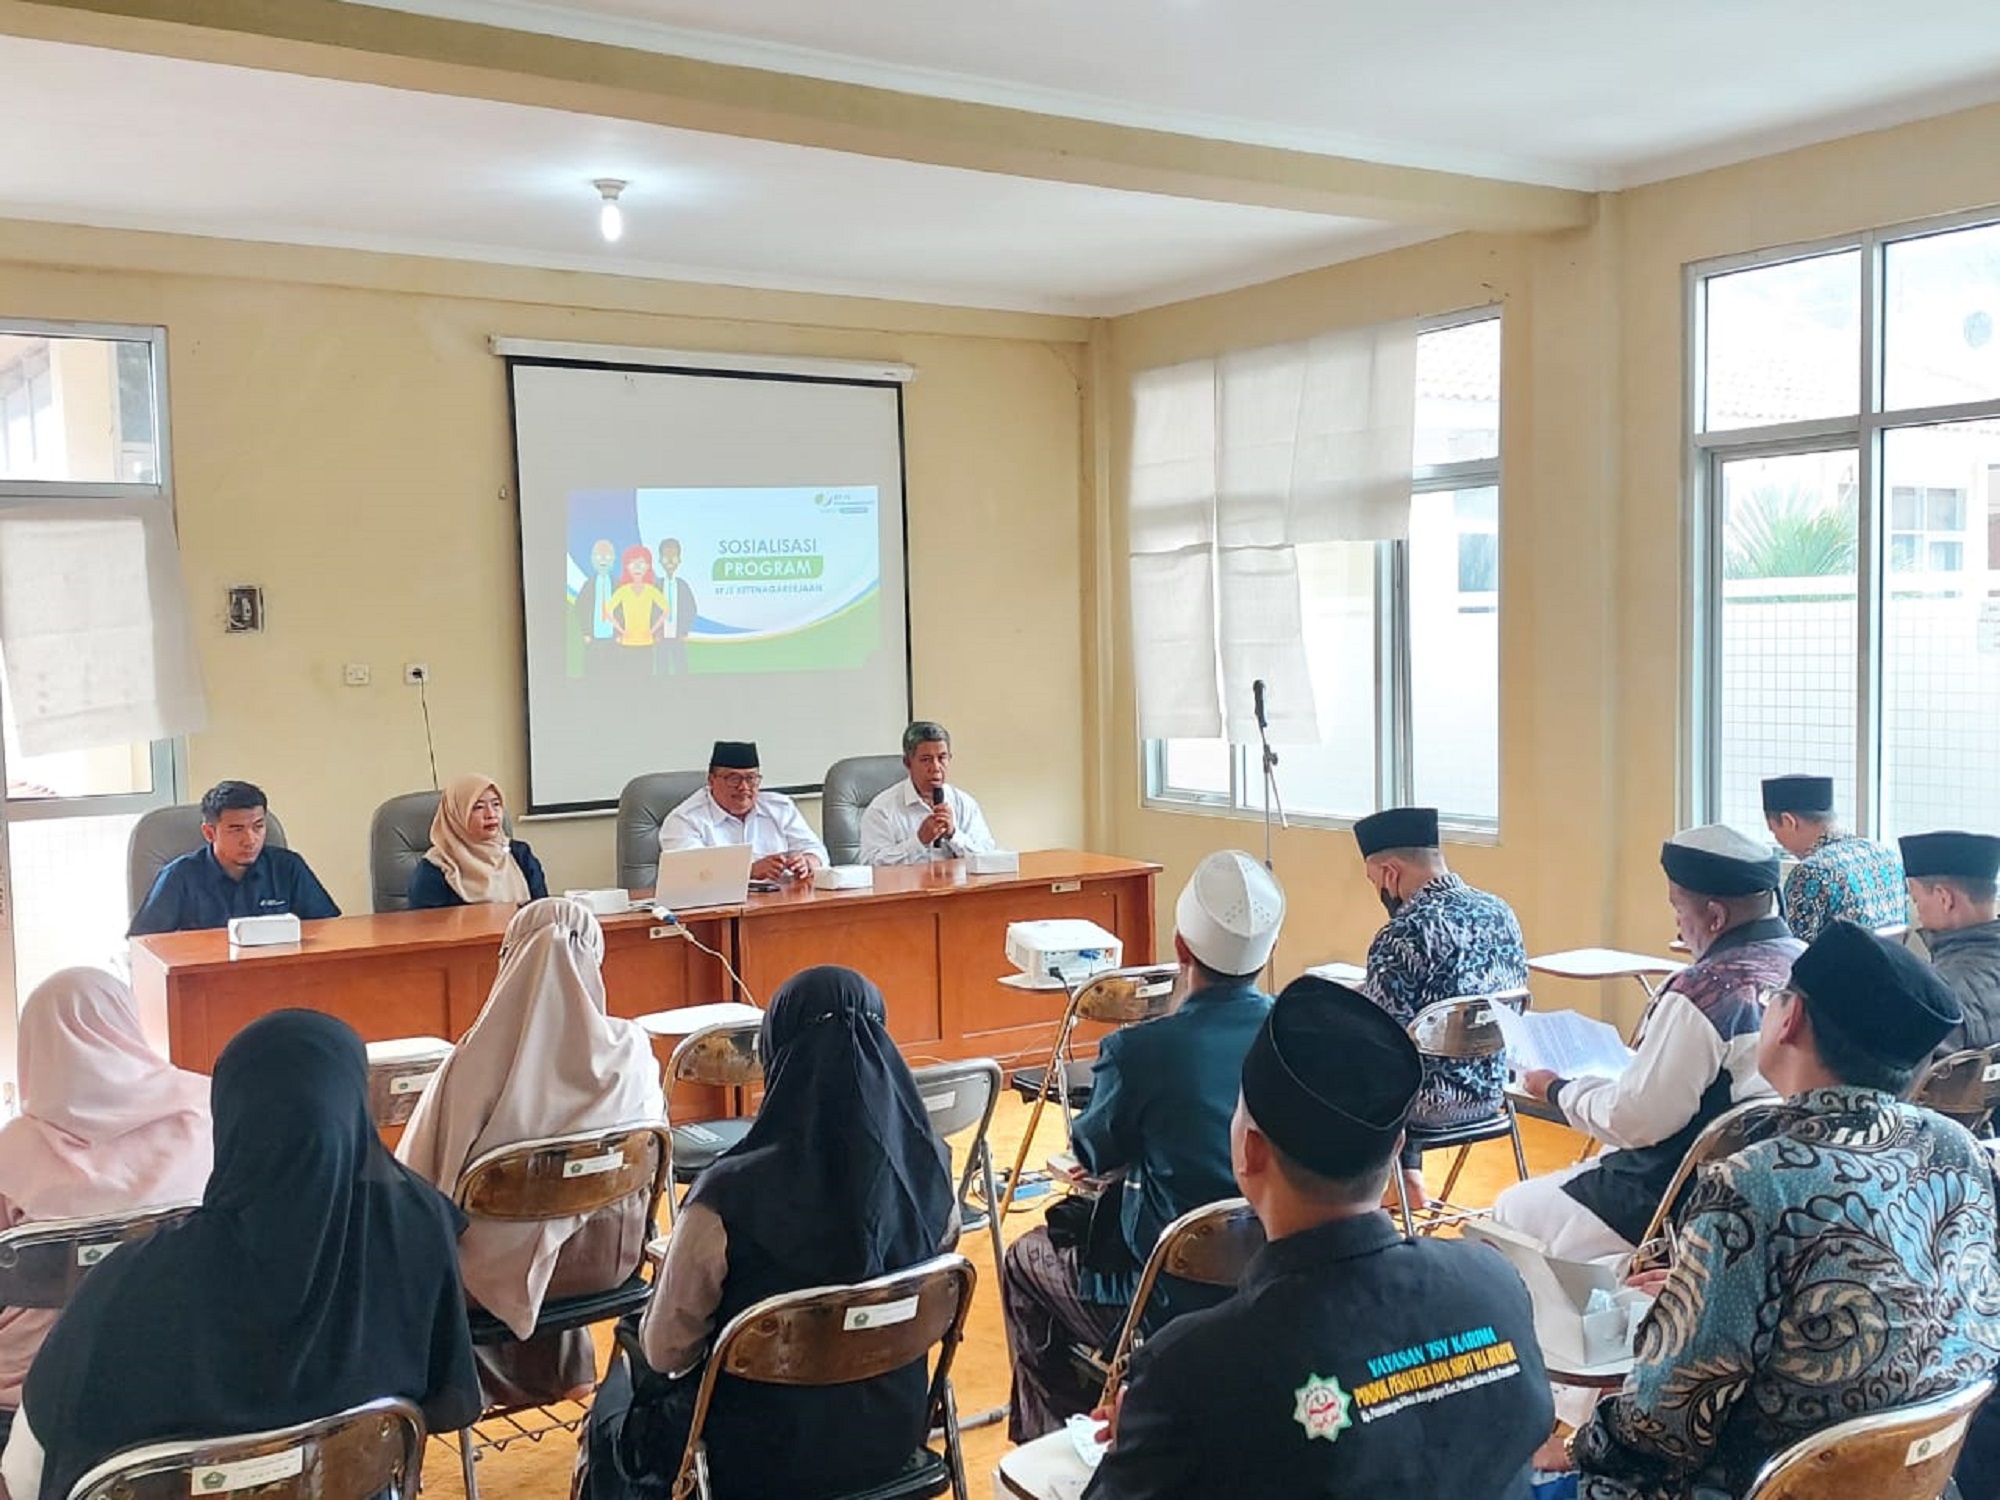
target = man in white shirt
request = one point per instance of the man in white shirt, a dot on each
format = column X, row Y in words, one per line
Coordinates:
column 921, row 818
column 735, row 809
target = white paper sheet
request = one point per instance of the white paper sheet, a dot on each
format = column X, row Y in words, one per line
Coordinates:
column 1564, row 1042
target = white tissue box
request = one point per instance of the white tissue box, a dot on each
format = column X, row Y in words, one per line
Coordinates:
column 993, row 862
column 608, row 903
column 262, row 932
column 843, row 878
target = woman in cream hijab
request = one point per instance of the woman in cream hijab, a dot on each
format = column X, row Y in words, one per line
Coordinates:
column 471, row 860
column 542, row 1059
column 107, row 1126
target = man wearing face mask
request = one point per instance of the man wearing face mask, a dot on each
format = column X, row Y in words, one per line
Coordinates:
column 1443, row 940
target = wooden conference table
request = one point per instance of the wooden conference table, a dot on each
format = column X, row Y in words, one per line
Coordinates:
column 931, row 936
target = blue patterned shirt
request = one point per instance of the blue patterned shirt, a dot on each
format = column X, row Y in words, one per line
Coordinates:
column 1446, row 941
column 1842, row 1264
column 1845, row 877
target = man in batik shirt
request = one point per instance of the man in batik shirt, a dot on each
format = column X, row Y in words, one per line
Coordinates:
column 1842, row 1264
column 1443, row 940
column 1840, row 877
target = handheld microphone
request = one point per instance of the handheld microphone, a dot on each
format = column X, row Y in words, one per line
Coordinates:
column 937, row 800
column 1257, row 697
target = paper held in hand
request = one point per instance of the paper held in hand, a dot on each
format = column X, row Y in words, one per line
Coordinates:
column 1564, row 1042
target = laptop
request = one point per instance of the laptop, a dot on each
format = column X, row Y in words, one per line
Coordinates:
column 692, row 878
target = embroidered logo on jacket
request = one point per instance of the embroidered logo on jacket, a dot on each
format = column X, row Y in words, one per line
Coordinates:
column 1322, row 1408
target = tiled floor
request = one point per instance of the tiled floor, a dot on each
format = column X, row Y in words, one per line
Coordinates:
column 541, row 1471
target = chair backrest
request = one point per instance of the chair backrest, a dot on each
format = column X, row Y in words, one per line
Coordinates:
column 42, row 1263
column 642, row 807
column 850, row 785
column 1464, row 1026
column 399, row 1073
column 1212, row 1245
column 1120, row 997
column 1725, row 1135
column 399, row 835
column 564, row 1176
column 723, row 1056
column 1904, row 1453
column 836, row 1335
column 363, row 1453
column 1962, row 1086
column 162, row 836
column 959, row 1095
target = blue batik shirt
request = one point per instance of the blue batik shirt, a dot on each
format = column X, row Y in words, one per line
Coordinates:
column 1845, row 877
column 1448, row 940
column 1842, row 1264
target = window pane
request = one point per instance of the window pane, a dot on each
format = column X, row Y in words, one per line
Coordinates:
column 115, row 771
column 69, row 894
column 1906, row 512
column 1787, row 627
column 77, row 409
column 1454, row 556
column 1783, row 343
column 1942, row 295
column 1944, row 510
column 1458, row 393
column 1335, row 778
column 1197, row 766
column 1941, row 643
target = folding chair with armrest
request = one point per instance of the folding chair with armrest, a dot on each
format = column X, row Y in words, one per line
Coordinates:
column 1962, row 1086
column 1903, row 1453
column 961, row 1096
column 400, row 1073
column 1120, row 997
column 560, row 1177
column 720, row 1056
column 369, row 1452
column 826, row 1336
column 1461, row 1029
column 41, row 1263
column 1211, row 1246
column 1725, row 1135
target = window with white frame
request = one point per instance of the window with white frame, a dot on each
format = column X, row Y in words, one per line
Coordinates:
column 1846, row 443
column 1401, row 636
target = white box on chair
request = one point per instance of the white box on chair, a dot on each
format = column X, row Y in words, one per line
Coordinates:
column 263, row 932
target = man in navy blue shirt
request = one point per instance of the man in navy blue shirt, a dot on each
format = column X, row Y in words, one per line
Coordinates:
column 234, row 875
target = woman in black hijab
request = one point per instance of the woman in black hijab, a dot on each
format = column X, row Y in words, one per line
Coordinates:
column 316, row 1275
column 840, row 1179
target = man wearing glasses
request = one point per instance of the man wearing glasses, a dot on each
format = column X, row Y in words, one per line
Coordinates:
column 734, row 808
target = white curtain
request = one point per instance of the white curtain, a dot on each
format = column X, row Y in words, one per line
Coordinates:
column 1235, row 462
column 94, row 627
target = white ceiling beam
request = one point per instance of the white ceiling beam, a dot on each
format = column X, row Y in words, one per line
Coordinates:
column 365, row 44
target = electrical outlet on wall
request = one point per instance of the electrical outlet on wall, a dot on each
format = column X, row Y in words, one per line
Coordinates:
column 357, row 674
column 415, row 673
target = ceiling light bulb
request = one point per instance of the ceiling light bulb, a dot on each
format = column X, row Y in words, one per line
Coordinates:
column 610, row 218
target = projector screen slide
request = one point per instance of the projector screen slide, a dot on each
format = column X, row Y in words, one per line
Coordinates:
column 706, row 556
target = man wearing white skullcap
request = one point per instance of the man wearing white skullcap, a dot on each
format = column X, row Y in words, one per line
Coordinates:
column 1162, row 1094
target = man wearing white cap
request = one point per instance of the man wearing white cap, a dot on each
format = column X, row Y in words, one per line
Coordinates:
column 1694, row 1057
column 1162, row 1096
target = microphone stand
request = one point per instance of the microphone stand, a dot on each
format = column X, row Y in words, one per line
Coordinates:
column 1271, row 793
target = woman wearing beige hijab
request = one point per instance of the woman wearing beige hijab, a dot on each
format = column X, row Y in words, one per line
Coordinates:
column 542, row 1059
column 471, row 860
column 107, row 1126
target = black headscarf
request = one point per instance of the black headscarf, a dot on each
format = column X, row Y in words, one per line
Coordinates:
column 841, row 1176
column 317, row 1274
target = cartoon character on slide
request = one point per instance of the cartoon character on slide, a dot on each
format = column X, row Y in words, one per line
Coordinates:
column 676, row 620
column 591, row 631
column 633, row 604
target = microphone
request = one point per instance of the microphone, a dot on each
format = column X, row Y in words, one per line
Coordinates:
column 1257, row 696
column 937, row 800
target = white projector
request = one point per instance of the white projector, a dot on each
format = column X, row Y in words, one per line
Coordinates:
column 1065, row 948
column 264, row 931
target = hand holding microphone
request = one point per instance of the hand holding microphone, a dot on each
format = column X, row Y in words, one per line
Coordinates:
column 939, row 826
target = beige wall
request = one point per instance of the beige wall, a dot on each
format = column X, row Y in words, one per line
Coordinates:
column 346, row 446
column 1593, row 576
